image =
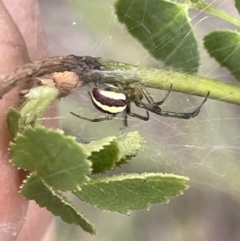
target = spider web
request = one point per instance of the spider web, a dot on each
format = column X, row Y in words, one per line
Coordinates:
column 205, row 148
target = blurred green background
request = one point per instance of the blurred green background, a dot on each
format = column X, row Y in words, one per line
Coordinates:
column 206, row 148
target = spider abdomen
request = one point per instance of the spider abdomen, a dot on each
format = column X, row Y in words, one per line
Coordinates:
column 108, row 101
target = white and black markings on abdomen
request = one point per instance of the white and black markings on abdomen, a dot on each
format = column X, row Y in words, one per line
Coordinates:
column 108, row 101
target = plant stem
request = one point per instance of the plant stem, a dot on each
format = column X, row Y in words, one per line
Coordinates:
column 216, row 12
column 163, row 79
column 99, row 70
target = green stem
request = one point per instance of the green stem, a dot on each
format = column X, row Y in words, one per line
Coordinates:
column 163, row 79
column 216, row 12
column 90, row 70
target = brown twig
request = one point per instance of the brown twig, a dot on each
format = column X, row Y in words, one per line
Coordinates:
column 80, row 65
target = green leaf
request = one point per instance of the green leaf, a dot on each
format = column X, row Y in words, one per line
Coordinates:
column 104, row 154
column 110, row 152
column 13, row 117
column 35, row 189
column 59, row 160
column 129, row 145
column 38, row 100
column 237, row 5
column 164, row 29
column 224, row 46
column 131, row 192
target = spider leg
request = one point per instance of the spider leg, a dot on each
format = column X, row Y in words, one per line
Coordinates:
column 150, row 99
column 125, row 121
column 157, row 110
column 109, row 117
column 128, row 111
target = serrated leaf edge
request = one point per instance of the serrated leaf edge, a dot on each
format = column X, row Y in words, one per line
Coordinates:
column 138, row 176
column 63, row 199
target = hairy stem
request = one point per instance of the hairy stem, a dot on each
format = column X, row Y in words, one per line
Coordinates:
column 204, row 7
column 90, row 69
column 163, row 79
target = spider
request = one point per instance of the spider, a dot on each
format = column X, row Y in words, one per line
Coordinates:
column 113, row 99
